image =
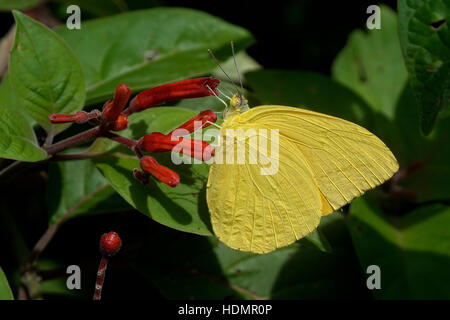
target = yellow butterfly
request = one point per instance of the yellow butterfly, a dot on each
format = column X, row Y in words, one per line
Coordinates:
column 323, row 163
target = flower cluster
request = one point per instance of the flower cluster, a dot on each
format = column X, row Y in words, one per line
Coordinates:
column 114, row 117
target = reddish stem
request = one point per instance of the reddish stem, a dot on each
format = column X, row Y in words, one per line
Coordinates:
column 130, row 143
column 100, row 278
column 74, row 141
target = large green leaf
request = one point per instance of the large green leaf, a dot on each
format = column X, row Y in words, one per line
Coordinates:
column 149, row 47
column 413, row 252
column 308, row 90
column 17, row 4
column 17, row 138
column 45, row 74
column 184, row 207
column 203, row 268
column 96, row 8
column 8, row 99
column 425, row 39
column 429, row 182
column 371, row 65
column 5, row 290
column 79, row 186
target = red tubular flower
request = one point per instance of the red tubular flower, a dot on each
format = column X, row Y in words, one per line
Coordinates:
column 163, row 174
column 113, row 108
column 201, row 119
column 121, row 123
column 185, row 89
column 158, row 142
column 78, row 117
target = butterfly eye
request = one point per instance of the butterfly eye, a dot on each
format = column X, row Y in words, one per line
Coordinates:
column 236, row 101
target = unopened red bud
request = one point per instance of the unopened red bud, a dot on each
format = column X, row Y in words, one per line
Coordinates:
column 80, row 116
column 199, row 121
column 121, row 123
column 158, row 142
column 163, row 174
column 110, row 244
column 185, row 89
column 113, row 108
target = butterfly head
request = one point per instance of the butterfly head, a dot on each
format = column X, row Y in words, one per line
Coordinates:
column 238, row 104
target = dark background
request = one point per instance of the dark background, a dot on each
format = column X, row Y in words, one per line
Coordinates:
column 314, row 32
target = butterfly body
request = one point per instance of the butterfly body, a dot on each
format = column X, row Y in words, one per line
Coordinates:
column 309, row 164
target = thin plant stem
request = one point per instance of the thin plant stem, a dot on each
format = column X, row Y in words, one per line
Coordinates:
column 74, row 141
column 100, row 278
column 130, row 143
column 120, row 139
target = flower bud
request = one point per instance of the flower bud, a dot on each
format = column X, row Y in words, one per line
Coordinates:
column 113, row 108
column 158, row 142
column 163, row 174
column 121, row 123
column 185, row 89
column 197, row 122
column 110, row 244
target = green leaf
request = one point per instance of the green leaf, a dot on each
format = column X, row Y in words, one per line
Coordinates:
column 371, row 65
column 45, row 74
column 5, row 290
column 318, row 240
column 8, row 99
column 96, row 8
column 79, row 186
column 7, row 5
column 150, row 47
column 412, row 251
column 430, row 180
column 204, row 268
column 425, row 39
column 17, row 138
column 184, row 207
column 308, row 90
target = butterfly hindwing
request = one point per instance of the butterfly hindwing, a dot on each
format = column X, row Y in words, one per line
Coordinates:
column 254, row 212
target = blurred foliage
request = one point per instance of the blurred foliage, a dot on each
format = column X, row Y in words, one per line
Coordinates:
column 412, row 251
column 17, row 4
column 376, row 80
column 425, row 39
column 5, row 290
column 44, row 81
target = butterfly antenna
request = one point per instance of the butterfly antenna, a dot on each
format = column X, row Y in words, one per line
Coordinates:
column 218, row 64
column 223, row 94
column 227, row 90
column 211, row 123
column 236, row 66
column 212, row 91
